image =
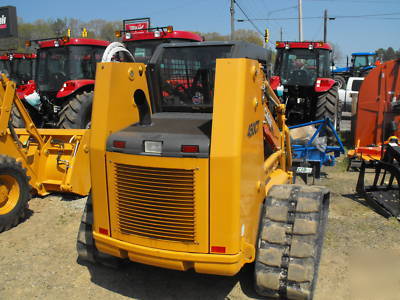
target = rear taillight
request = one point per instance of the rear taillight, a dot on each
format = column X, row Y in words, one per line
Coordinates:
column 190, row 148
column 119, row 144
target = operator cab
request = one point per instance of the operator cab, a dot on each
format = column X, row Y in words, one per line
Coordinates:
column 300, row 64
column 67, row 59
column 181, row 78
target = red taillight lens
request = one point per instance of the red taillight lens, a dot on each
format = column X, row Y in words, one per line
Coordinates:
column 103, row 231
column 119, row 144
column 218, row 249
column 190, row 148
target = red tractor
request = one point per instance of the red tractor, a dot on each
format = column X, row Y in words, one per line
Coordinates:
column 64, row 80
column 303, row 80
column 141, row 39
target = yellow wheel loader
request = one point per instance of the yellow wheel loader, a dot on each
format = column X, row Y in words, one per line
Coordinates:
column 36, row 161
column 190, row 159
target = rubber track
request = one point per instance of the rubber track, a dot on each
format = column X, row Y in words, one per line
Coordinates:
column 10, row 163
column 85, row 243
column 290, row 241
column 70, row 115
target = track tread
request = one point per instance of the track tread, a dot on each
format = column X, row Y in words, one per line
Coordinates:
column 289, row 248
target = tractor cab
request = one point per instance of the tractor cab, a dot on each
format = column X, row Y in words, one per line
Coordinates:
column 18, row 66
column 363, row 62
column 301, row 63
column 303, row 80
column 141, row 39
column 65, row 65
column 62, row 94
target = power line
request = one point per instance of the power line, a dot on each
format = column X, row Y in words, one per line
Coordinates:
column 320, row 17
column 248, row 19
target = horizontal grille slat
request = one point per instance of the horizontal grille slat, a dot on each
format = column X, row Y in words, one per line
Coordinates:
column 156, row 202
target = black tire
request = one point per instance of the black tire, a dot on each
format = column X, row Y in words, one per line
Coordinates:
column 85, row 243
column 341, row 81
column 16, row 119
column 290, row 241
column 77, row 113
column 13, row 183
column 329, row 106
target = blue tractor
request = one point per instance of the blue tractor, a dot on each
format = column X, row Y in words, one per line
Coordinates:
column 361, row 64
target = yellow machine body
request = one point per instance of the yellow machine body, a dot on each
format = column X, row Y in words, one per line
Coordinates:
column 227, row 189
column 56, row 160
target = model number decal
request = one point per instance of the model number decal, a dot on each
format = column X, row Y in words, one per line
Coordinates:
column 253, row 128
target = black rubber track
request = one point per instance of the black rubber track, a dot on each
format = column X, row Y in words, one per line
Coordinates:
column 290, row 241
column 85, row 243
column 77, row 113
column 9, row 166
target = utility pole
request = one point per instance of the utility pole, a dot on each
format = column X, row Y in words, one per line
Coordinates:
column 232, row 19
column 325, row 24
column 300, row 7
column 281, row 33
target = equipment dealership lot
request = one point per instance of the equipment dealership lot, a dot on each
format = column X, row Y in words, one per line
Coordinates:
column 38, row 259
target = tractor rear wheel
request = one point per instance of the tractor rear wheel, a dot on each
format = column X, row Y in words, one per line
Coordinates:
column 329, row 106
column 77, row 113
column 85, row 243
column 290, row 241
column 341, row 81
column 14, row 192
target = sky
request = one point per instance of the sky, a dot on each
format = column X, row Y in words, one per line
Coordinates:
column 352, row 30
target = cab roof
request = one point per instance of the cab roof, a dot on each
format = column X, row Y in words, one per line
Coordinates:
column 363, row 53
column 303, row 45
column 240, row 49
column 51, row 43
column 151, row 35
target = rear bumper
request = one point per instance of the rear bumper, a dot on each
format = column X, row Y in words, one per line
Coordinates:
column 217, row 264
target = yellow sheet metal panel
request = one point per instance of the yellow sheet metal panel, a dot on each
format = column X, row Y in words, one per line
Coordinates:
column 113, row 109
column 159, row 202
column 237, row 177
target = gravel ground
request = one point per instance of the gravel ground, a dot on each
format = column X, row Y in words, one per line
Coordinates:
column 38, row 260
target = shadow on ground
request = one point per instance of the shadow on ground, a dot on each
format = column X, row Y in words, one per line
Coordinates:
column 146, row 282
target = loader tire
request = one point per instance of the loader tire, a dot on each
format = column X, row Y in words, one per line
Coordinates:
column 290, row 241
column 77, row 113
column 14, row 192
column 85, row 245
column 329, row 106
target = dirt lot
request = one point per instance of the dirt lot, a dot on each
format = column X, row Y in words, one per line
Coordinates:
column 361, row 258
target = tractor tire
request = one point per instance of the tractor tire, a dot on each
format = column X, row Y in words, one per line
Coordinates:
column 85, row 245
column 77, row 113
column 329, row 106
column 14, row 192
column 341, row 81
column 290, row 241
column 16, row 119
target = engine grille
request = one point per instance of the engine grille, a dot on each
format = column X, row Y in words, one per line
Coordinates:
column 156, row 202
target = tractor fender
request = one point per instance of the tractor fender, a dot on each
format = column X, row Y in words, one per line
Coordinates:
column 72, row 86
column 324, row 84
column 274, row 82
column 24, row 90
